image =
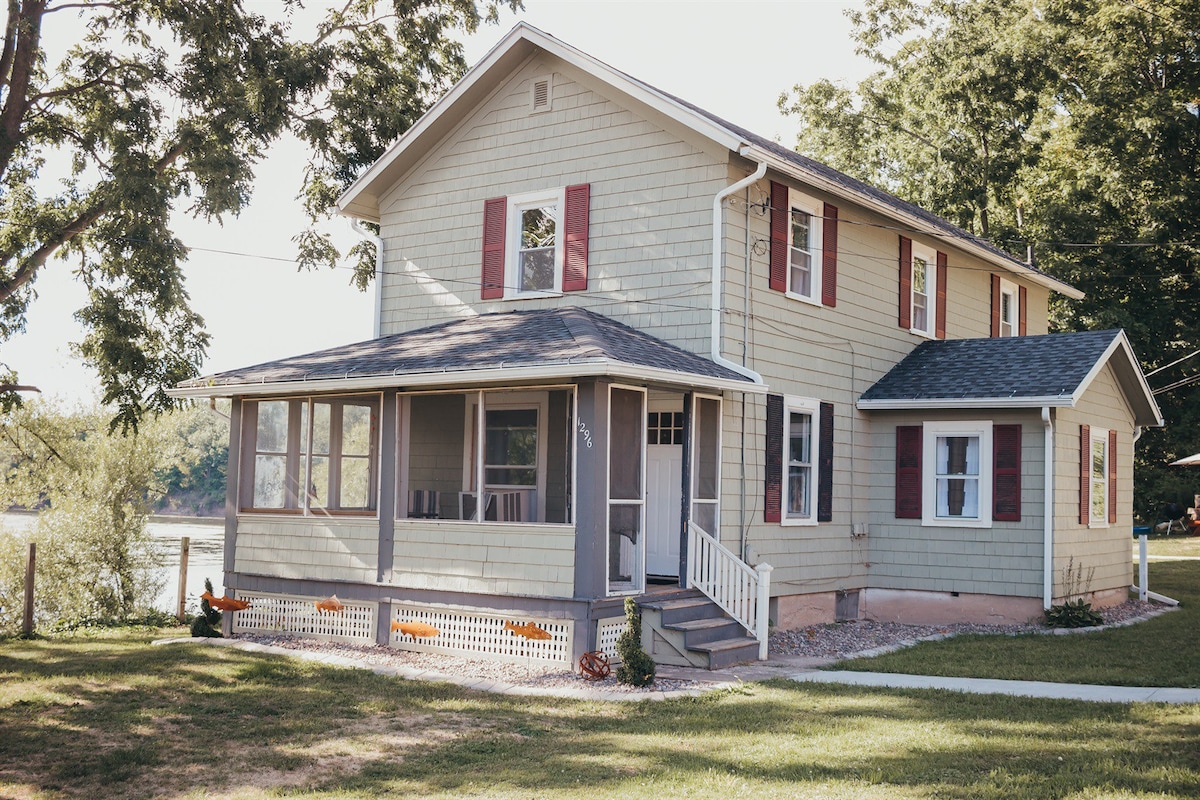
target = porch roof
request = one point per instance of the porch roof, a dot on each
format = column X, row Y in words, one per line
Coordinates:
column 518, row 346
column 1016, row 371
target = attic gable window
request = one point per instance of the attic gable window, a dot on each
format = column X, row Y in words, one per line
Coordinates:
column 541, row 93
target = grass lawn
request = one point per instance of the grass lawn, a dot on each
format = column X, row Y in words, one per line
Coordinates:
column 1170, row 546
column 109, row 716
column 1164, row 651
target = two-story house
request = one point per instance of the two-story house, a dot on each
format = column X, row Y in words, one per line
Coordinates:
column 625, row 347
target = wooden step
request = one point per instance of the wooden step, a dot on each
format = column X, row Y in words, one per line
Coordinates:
column 702, row 631
column 727, row 652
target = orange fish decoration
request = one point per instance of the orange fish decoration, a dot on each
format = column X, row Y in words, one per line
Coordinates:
column 225, row 603
column 528, row 630
column 330, row 603
column 419, row 630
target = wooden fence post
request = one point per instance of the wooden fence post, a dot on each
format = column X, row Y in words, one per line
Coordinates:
column 184, row 542
column 27, row 623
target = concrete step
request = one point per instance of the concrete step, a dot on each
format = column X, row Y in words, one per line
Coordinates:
column 703, row 631
column 727, row 652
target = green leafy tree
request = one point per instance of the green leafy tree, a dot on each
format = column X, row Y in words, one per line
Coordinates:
column 162, row 103
column 1079, row 118
column 194, row 483
column 95, row 557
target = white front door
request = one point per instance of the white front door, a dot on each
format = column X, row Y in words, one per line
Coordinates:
column 664, row 486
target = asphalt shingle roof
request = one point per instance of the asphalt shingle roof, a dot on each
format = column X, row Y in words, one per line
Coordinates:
column 488, row 341
column 1012, row 367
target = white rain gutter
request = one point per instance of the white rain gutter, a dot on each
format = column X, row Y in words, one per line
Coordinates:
column 718, row 252
column 357, row 225
column 1048, row 511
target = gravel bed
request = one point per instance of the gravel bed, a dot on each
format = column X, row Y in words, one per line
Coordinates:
column 528, row 675
column 838, row 641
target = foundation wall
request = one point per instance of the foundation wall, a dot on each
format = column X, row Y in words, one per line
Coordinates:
column 938, row 608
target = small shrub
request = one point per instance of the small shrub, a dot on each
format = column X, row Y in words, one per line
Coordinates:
column 207, row 623
column 1073, row 614
column 637, row 668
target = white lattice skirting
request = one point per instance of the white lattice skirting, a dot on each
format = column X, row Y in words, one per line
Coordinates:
column 607, row 633
column 274, row 613
column 475, row 634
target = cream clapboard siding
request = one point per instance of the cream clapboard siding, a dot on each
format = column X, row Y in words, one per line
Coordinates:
column 487, row 558
column 338, row 549
column 650, row 217
column 1104, row 550
column 833, row 355
column 1005, row 559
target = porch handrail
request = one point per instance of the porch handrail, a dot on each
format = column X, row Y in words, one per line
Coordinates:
column 743, row 592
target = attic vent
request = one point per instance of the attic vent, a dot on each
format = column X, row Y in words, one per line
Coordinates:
column 539, row 94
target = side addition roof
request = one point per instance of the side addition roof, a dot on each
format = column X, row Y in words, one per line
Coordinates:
column 1016, row 372
column 505, row 348
column 361, row 199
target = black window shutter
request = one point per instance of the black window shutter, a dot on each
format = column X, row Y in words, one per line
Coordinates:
column 825, row 467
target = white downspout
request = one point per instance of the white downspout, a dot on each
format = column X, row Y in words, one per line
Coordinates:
column 1048, row 511
column 366, row 234
column 717, row 262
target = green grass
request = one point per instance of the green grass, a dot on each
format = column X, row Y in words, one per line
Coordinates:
column 106, row 715
column 1164, row 651
column 1170, row 546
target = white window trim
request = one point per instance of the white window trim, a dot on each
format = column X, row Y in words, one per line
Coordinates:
column 1009, row 288
column 929, row 256
column 816, row 211
column 931, row 432
column 1098, row 436
column 512, row 266
column 812, row 407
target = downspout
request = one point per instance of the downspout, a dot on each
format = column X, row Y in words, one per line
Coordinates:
column 378, row 241
column 1048, row 511
column 717, row 262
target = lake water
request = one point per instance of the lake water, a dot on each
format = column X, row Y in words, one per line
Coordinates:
column 206, row 555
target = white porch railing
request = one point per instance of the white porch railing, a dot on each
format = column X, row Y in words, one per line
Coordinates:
column 743, row 592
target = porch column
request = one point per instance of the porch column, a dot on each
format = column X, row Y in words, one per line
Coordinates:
column 387, row 508
column 591, row 488
column 232, row 479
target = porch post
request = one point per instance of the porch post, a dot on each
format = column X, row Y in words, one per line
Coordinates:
column 232, row 479
column 387, row 507
column 591, row 482
column 685, row 495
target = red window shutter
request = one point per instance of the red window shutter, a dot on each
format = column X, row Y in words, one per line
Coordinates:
column 1021, row 327
column 1085, row 473
column 908, row 472
column 1112, row 477
column 905, row 282
column 825, row 465
column 495, row 212
column 829, row 254
column 941, row 295
column 773, row 460
column 1006, row 473
column 575, row 258
column 780, row 211
column 996, row 303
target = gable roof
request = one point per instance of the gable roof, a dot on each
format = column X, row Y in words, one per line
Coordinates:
column 509, row 348
column 361, row 199
column 1018, row 371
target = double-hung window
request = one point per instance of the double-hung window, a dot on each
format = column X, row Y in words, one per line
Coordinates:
column 1009, row 308
column 958, row 480
column 1098, row 477
column 804, row 248
column 924, row 290
column 536, row 233
column 801, row 451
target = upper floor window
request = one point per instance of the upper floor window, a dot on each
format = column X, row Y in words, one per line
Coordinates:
column 804, row 248
column 536, row 244
column 1008, row 308
column 924, row 290
column 535, row 266
column 310, row 455
column 803, row 255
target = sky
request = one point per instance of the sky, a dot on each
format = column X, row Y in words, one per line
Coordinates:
column 733, row 58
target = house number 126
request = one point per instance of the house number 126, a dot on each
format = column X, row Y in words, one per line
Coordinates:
column 587, row 435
